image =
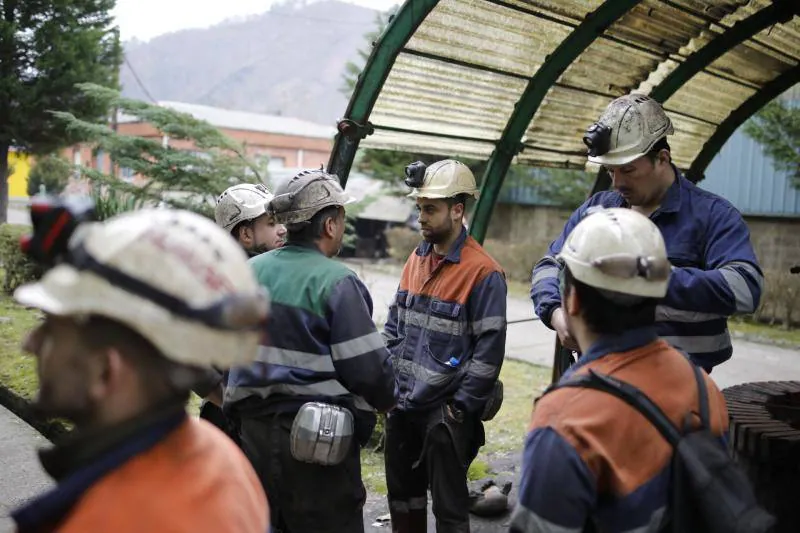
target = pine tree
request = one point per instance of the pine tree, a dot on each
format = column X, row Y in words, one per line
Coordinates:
column 190, row 179
column 777, row 128
column 46, row 47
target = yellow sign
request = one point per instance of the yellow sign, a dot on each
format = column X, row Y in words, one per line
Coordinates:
column 20, row 166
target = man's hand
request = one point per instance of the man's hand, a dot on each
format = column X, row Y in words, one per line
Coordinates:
column 559, row 323
column 454, row 412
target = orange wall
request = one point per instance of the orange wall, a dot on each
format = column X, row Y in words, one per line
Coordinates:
column 295, row 151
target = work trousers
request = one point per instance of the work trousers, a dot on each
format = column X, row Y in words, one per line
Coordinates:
column 227, row 423
column 425, row 450
column 303, row 497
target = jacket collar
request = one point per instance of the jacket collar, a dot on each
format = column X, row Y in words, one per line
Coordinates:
column 624, row 342
column 84, row 458
column 453, row 255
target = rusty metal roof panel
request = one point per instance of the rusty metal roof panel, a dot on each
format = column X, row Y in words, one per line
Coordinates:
column 462, row 73
column 427, row 144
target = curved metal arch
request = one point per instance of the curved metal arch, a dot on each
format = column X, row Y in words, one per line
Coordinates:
column 737, row 117
column 548, row 73
column 354, row 126
column 779, row 11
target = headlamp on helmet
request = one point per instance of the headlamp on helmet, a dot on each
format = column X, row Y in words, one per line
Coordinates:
column 415, row 174
column 54, row 221
column 597, row 139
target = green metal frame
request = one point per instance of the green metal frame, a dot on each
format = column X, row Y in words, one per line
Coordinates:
column 778, row 11
column 354, row 126
column 510, row 144
column 752, row 105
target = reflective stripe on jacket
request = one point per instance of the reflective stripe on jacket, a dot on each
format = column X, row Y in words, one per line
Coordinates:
column 446, row 329
column 320, row 343
column 716, row 273
column 591, row 456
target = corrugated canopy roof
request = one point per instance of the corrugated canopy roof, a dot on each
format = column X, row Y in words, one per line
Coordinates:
column 522, row 79
column 468, row 63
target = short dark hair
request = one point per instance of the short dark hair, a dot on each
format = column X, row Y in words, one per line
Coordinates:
column 605, row 317
column 458, row 199
column 239, row 226
column 660, row 144
column 310, row 232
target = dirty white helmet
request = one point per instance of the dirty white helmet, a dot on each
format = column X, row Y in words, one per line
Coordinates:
column 628, row 128
column 443, row 179
column 240, row 203
column 299, row 199
column 618, row 250
column 172, row 276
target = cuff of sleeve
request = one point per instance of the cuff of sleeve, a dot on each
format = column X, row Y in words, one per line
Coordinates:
column 547, row 314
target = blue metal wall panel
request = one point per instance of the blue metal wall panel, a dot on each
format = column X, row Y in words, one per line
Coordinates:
column 742, row 174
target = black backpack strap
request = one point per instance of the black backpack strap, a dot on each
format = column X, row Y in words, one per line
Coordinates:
column 630, row 395
column 702, row 394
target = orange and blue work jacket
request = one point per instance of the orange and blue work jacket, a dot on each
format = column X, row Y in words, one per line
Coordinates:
column 171, row 474
column 446, row 329
column 589, row 456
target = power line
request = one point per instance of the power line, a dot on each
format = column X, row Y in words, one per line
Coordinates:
column 139, row 81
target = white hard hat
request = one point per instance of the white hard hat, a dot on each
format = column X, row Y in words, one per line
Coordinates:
column 239, row 203
column 443, row 179
column 618, row 250
column 628, row 129
column 172, row 276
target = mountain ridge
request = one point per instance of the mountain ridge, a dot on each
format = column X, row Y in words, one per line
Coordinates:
column 287, row 61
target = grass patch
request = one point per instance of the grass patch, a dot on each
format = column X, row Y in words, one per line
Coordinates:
column 504, row 434
column 479, row 469
column 764, row 332
column 518, row 289
column 17, row 371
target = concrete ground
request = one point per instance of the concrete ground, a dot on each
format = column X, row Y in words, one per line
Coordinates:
column 21, row 477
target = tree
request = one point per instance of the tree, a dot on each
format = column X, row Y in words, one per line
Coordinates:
column 777, row 129
column 46, row 47
column 189, row 179
column 52, row 171
column 561, row 187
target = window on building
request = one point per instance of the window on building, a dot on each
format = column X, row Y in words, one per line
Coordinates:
column 276, row 162
column 100, row 161
column 76, row 160
column 126, row 174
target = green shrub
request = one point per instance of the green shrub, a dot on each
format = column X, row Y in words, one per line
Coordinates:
column 111, row 202
column 402, row 241
column 52, row 171
column 17, row 268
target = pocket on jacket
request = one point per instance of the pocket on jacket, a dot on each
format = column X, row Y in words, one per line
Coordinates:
column 684, row 254
column 445, row 333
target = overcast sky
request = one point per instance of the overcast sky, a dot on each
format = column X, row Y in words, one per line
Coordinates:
column 145, row 19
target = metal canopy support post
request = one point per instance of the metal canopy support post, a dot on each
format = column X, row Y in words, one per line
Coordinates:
column 778, row 11
column 354, row 126
column 510, row 143
column 714, row 144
